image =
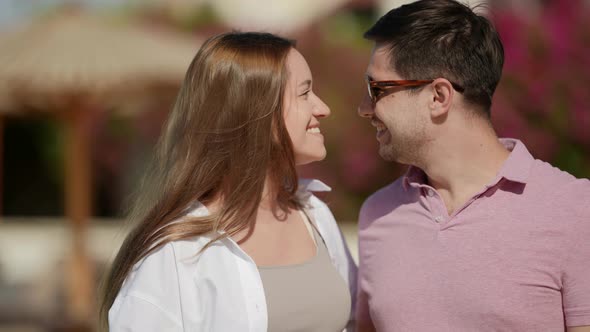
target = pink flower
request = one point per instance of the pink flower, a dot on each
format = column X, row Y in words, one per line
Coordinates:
column 559, row 21
column 512, row 30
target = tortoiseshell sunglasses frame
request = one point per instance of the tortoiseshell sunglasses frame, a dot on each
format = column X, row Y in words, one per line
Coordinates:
column 384, row 85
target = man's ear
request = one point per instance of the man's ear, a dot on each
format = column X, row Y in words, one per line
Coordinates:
column 442, row 97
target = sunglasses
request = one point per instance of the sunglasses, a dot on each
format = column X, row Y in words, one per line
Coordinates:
column 377, row 89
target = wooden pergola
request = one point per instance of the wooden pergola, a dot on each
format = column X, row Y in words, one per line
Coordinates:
column 70, row 65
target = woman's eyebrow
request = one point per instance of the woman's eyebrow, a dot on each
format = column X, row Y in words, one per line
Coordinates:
column 306, row 83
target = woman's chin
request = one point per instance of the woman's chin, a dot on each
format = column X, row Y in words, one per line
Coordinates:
column 309, row 158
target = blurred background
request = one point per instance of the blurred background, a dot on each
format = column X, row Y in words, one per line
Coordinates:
column 86, row 85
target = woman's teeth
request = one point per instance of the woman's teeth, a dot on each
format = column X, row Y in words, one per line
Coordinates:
column 315, row 130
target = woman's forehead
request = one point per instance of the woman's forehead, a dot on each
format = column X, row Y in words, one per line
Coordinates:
column 297, row 66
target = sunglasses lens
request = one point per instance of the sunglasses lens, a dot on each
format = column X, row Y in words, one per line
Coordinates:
column 375, row 92
column 370, row 91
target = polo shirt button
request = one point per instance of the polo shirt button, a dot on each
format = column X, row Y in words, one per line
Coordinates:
column 438, row 219
column 430, row 192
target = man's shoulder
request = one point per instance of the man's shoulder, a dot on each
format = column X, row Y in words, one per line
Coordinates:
column 557, row 182
column 566, row 195
column 384, row 199
column 395, row 188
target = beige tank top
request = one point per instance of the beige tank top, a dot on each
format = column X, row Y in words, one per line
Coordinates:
column 311, row 296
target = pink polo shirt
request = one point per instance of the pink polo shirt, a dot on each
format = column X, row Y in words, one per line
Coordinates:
column 515, row 257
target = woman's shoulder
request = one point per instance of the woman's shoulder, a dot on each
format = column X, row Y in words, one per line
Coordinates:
column 153, row 287
column 175, row 260
column 143, row 278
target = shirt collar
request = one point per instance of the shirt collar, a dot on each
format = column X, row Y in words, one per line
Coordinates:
column 305, row 188
column 516, row 168
column 414, row 177
column 313, row 185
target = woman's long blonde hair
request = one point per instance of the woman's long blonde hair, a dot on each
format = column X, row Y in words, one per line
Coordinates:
column 224, row 138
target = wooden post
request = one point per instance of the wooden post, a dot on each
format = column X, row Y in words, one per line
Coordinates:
column 1, row 164
column 78, row 207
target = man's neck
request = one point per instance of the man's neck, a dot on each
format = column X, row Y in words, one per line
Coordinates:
column 463, row 165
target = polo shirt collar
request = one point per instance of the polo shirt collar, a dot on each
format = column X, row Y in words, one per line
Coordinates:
column 414, row 177
column 516, row 168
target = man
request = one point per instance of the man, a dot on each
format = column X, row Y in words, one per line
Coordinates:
column 477, row 235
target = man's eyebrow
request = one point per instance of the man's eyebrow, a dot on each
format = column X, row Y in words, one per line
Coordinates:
column 306, row 83
column 369, row 78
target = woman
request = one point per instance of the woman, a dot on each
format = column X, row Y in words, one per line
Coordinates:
column 228, row 238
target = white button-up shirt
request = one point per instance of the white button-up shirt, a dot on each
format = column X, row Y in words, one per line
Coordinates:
column 173, row 289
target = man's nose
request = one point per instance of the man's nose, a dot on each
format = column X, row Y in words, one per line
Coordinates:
column 365, row 108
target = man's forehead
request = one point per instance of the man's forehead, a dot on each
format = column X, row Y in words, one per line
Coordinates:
column 380, row 62
column 382, row 49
